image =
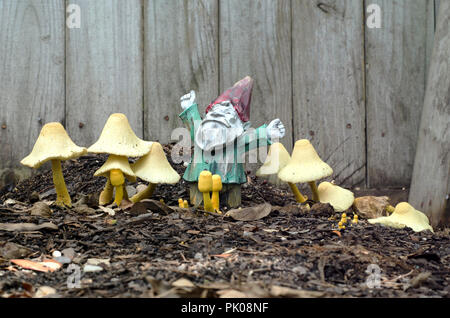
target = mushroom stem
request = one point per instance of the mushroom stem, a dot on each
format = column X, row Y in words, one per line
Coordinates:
column 62, row 195
column 119, row 195
column 300, row 198
column 207, row 203
column 313, row 187
column 215, row 200
column 390, row 209
column 147, row 193
column 107, row 194
column 117, row 180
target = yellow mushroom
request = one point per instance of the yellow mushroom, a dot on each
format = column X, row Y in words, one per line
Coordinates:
column 355, row 219
column 116, row 168
column 155, row 169
column 216, row 188
column 277, row 158
column 205, row 185
column 118, row 139
column 405, row 215
column 54, row 144
column 305, row 165
column 180, row 203
column 185, row 204
column 340, row 199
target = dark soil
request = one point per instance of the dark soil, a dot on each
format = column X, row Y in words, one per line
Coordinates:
column 150, row 249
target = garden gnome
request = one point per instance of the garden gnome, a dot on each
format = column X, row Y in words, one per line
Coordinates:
column 221, row 139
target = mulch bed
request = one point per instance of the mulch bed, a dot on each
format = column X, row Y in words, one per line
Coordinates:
column 291, row 252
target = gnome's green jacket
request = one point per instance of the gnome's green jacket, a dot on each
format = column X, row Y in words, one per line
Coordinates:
column 234, row 172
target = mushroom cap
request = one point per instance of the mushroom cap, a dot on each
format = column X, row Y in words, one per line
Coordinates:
column 277, row 158
column 341, row 199
column 117, row 138
column 305, row 165
column 405, row 215
column 154, row 167
column 205, row 181
column 53, row 143
column 216, row 183
column 116, row 162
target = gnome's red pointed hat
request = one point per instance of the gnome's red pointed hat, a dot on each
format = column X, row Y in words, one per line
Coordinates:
column 240, row 96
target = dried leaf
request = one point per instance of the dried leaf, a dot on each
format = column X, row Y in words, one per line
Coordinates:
column 371, row 207
column 41, row 209
column 338, row 233
column 110, row 211
column 231, row 293
column 12, row 250
column 222, row 255
column 44, row 291
column 250, row 214
column 45, row 266
column 183, row 283
column 280, row 291
column 27, row 227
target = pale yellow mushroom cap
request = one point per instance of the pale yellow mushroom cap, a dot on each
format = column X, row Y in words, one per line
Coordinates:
column 277, row 158
column 117, row 138
column 116, row 162
column 405, row 215
column 155, row 168
column 340, row 199
column 305, row 165
column 53, row 143
column 205, row 181
column 216, row 183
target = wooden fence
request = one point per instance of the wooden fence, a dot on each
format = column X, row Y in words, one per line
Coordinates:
column 356, row 92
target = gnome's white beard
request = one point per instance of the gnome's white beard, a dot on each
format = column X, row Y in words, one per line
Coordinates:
column 220, row 128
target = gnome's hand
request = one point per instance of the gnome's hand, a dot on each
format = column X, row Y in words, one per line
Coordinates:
column 276, row 130
column 187, row 100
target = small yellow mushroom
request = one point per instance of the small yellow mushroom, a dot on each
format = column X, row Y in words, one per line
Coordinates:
column 355, row 219
column 180, row 203
column 120, row 142
column 341, row 226
column 205, row 185
column 115, row 169
column 305, row 165
column 405, row 215
column 154, row 168
column 216, row 188
column 185, row 204
column 277, row 158
column 340, row 199
column 54, row 145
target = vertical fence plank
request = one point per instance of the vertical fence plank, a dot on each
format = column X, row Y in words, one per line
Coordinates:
column 181, row 54
column 104, row 67
column 255, row 40
column 31, row 74
column 328, row 84
column 430, row 185
column 396, row 60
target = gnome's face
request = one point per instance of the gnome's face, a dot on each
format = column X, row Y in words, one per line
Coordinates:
column 221, row 126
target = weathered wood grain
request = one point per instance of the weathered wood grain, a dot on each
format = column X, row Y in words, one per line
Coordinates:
column 430, row 185
column 181, row 54
column 31, row 74
column 255, row 40
column 328, row 89
column 104, row 68
column 395, row 86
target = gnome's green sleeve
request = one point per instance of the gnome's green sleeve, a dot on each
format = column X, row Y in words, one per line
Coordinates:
column 189, row 116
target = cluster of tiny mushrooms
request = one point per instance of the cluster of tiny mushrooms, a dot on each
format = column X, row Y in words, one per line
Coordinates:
column 120, row 142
